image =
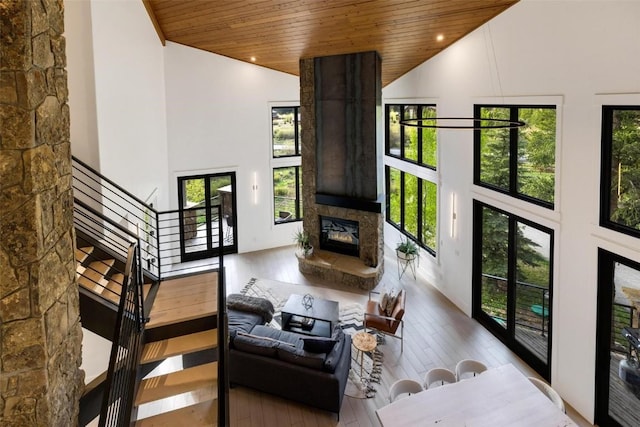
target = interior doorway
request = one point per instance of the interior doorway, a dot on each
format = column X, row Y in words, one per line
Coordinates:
column 207, row 215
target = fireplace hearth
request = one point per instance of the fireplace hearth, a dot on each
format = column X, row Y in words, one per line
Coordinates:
column 339, row 235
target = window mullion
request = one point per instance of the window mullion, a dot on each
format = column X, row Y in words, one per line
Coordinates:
column 513, row 153
column 419, row 206
column 511, row 275
column 402, row 180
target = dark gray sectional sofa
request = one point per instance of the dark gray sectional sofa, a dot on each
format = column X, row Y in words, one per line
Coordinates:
column 310, row 370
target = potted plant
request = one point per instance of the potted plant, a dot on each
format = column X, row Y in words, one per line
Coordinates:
column 407, row 249
column 302, row 241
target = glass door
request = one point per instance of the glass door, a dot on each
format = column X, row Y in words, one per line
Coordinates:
column 207, row 215
column 512, row 282
column 618, row 341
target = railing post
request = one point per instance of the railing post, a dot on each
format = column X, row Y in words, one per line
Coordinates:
column 157, row 238
column 543, row 307
column 223, row 378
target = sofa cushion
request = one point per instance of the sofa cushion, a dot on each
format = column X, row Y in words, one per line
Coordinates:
column 297, row 356
column 254, row 344
column 333, row 357
column 242, row 321
column 277, row 334
column 318, row 344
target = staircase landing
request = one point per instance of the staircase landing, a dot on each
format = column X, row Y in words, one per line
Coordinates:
column 185, row 299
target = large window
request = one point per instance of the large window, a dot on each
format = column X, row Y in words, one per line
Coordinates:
column 512, row 282
column 620, row 188
column 412, row 192
column 412, row 207
column 519, row 162
column 286, row 160
column 410, row 143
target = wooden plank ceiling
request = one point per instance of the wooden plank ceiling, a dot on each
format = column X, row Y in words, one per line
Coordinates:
column 277, row 33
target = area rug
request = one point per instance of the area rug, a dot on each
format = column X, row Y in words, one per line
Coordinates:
column 351, row 315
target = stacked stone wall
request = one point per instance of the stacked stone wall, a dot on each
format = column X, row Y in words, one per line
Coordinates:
column 40, row 334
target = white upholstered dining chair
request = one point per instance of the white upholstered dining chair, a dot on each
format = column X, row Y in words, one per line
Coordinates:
column 437, row 377
column 404, row 386
column 469, row 368
column 548, row 391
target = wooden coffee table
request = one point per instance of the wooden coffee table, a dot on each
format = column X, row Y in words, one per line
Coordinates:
column 324, row 312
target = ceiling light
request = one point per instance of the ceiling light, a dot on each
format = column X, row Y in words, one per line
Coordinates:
column 253, row 59
column 439, row 37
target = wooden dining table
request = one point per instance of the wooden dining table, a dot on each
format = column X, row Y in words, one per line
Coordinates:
column 499, row 397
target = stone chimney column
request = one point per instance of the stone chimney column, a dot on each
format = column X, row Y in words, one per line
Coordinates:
column 40, row 334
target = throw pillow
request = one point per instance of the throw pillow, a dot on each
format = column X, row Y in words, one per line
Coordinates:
column 384, row 300
column 318, row 344
column 391, row 302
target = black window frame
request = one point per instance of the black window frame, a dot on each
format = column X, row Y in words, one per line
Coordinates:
column 605, row 170
column 401, row 227
column 506, row 336
column 513, row 153
column 296, row 131
column 297, row 214
column 387, row 148
column 287, row 161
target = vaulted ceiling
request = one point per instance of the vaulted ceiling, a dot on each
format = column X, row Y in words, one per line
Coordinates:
column 277, row 33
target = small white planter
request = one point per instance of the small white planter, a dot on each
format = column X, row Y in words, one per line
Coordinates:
column 405, row 256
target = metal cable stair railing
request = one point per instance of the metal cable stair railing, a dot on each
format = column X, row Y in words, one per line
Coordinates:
column 118, row 221
column 114, row 202
column 121, row 384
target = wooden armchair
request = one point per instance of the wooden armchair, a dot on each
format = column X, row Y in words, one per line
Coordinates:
column 375, row 317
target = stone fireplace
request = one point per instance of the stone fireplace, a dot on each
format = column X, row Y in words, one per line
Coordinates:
column 340, row 102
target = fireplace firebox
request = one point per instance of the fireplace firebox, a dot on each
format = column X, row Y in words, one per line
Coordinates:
column 339, row 235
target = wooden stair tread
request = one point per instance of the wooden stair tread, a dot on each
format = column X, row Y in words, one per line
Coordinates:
column 93, row 277
column 190, row 379
column 114, row 288
column 160, row 350
column 83, row 253
column 203, row 413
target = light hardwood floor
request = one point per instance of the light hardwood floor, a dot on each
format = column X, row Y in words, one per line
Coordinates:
column 437, row 333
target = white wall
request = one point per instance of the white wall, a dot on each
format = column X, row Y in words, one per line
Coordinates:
column 574, row 53
column 81, row 82
column 219, row 120
column 129, row 97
